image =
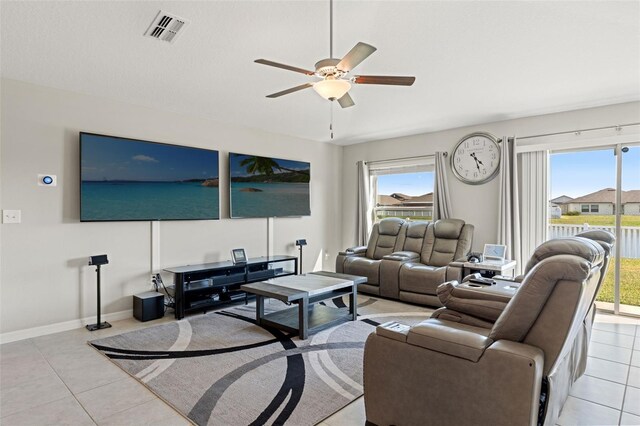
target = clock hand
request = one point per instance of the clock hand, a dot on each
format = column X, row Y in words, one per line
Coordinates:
column 473, row 154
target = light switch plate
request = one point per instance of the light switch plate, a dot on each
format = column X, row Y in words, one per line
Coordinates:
column 11, row 216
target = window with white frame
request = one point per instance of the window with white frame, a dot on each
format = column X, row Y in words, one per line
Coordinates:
column 403, row 188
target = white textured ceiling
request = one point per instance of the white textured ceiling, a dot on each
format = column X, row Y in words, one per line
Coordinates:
column 474, row 62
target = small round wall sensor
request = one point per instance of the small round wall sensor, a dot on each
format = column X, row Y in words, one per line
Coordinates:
column 47, row 180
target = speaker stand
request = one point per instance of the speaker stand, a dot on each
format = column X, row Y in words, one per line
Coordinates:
column 98, row 325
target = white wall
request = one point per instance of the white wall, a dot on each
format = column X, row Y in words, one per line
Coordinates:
column 475, row 204
column 45, row 278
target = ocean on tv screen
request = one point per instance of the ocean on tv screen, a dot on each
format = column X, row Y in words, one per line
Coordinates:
column 124, row 179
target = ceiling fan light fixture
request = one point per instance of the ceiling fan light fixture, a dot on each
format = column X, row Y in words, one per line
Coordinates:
column 332, row 89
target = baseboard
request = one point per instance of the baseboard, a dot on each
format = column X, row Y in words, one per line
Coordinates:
column 28, row 333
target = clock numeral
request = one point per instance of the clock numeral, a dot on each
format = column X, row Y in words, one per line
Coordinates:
column 475, row 174
column 484, row 171
column 458, row 159
column 461, row 151
column 493, row 156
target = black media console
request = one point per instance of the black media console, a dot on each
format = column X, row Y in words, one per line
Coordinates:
column 199, row 287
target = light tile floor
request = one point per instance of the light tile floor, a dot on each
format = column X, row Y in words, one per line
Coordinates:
column 60, row 380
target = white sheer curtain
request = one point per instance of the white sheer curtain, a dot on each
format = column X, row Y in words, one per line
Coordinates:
column 534, row 200
column 509, row 230
column 441, row 197
column 364, row 214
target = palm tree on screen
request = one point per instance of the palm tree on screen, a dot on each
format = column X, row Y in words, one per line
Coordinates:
column 264, row 165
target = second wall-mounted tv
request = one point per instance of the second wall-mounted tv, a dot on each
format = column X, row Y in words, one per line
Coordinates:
column 268, row 187
column 128, row 179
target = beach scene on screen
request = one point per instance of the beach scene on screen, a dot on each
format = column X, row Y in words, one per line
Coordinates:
column 268, row 187
column 124, row 179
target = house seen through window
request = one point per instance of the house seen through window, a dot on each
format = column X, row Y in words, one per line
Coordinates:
column 404, row 195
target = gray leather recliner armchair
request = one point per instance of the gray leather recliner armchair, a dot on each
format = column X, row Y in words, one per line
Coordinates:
column 387, row 237
column 519, row 371
column 483, row 309
column 445, row 247
column 391, row 264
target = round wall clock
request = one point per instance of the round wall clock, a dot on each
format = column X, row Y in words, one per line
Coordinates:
column 476, row 158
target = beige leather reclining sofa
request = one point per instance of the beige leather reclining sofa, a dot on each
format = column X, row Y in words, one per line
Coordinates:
column 408, row 260
column 517, row 371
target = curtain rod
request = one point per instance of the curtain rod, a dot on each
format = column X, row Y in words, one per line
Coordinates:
column 577, row 132
column 403, row 158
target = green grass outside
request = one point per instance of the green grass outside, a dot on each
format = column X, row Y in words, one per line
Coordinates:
column 629, row 283
column 597, row 220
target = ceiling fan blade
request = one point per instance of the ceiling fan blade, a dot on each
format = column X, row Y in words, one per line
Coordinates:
column 346, row 101
column 359, row 53
column 293, row 89
column 283, row 66
column 383, row 79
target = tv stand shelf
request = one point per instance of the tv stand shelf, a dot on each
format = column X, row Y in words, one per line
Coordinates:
column 202, row 287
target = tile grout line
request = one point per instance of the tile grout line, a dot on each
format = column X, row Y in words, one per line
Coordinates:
column 597, row 403
column 624, row 395
column 65, row 385
column 610, row 360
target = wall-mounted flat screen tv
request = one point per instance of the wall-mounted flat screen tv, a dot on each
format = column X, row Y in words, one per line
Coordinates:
column 268, row 187
column 127, row 179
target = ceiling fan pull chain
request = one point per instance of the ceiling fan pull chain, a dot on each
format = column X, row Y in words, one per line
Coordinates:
column 331, row 121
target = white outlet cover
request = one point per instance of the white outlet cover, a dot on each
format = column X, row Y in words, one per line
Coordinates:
column 41, row 180
column 11, row 216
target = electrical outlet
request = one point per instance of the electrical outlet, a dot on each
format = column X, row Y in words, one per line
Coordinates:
column 11, row 216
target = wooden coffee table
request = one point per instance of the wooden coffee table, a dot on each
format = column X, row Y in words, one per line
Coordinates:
column 306, row 291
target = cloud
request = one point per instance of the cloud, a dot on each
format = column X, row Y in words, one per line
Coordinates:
column 144, row 158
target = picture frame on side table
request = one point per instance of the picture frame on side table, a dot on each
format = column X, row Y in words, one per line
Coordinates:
column 238, row 256
column 495, row 251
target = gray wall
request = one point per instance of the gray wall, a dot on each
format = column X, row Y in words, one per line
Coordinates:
column 475, row 204
column 44, row 277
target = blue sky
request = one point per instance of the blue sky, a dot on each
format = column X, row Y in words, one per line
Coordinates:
column 110, row 158
column 238, row 170
column 573, row 174
column 406, row 183
column 579, row 173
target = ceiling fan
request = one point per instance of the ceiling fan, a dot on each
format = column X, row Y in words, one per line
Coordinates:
column 334, row 83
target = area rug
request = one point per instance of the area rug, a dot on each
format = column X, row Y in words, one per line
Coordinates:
column 221, row 368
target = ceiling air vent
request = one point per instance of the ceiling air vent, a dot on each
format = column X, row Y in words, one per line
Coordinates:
column 166, row 27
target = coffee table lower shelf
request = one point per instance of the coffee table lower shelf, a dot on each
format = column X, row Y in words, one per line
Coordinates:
column 318, row 317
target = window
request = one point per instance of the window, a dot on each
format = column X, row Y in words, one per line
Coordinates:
column 403, row 189
column 584, row 208
column 594, row 208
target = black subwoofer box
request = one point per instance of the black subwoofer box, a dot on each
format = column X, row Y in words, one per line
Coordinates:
column 148, row 306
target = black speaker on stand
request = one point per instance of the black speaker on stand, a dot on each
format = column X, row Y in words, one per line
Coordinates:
column 300, row 244
column 98, row 261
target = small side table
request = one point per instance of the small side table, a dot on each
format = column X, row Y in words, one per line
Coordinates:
column 489, row 268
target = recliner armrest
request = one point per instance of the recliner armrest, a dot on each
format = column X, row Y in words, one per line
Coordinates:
column 437, row 336
column 402, row 256
column 458, row 263
column 354, row 250
column 477, row 303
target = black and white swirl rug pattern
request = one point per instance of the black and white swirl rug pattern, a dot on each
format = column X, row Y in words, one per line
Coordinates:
column 223, row 369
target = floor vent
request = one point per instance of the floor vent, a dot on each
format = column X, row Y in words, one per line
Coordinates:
column 166, row 27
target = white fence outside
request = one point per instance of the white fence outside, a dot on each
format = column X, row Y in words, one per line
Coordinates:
column 404, row 211
column 629, row 244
